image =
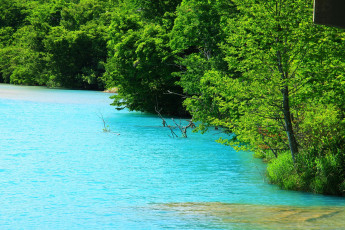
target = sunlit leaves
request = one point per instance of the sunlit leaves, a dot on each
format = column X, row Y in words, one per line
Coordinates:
column 66, row 40
column 141, row 61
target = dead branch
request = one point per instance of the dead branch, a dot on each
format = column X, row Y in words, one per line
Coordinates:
column 183, row 129
column 164, row 123
column 105, row 126
column 178, row 94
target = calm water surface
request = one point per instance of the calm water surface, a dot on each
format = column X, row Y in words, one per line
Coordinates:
column 59, row 170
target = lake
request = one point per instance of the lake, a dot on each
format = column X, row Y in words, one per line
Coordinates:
column 59, row 170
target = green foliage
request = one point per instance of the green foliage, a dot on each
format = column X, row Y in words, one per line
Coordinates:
column 321, row 128
column 282, row 88
column 313, row 173
column 327, row 178
column 77, row 56
column 152, row 10
column 195, row 38
column 12, row 13
column 281, row 171
column 141, row 63
column 22, row 66
column 61, row 43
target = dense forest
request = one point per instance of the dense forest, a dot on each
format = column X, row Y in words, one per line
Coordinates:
column 259, row 69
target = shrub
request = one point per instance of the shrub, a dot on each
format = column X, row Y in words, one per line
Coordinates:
column 281, row 171
column 313, row 173
column 328, row 178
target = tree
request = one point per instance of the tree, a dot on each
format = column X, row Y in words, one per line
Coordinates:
column 12, row 17
column 274, row 45
column 141, row 62
column 282, row 90
column 195, row 38
column 61, row 43
column 272, row 50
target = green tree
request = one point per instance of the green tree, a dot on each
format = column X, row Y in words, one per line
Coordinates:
column 283, row 91
column 61, row 43
column 274, row 44
column 78, row 45
column 195, row 38
column 152, row 10
column 12, row 17
column 141, row 62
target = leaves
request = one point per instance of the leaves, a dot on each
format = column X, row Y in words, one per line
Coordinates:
column 63, row 43
column 141, row 63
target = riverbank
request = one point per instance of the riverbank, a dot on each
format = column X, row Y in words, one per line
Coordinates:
column 111, row 90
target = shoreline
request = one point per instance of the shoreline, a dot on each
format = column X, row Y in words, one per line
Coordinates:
column 111, row 90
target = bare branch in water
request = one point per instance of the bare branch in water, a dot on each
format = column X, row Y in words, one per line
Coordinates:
column 106, row 128
column 183, row 129
column 165, row 124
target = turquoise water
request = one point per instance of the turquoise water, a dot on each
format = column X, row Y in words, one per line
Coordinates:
column 59, row 170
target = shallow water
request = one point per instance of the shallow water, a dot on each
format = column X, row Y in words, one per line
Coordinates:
column 245, row 216
column 59, row 170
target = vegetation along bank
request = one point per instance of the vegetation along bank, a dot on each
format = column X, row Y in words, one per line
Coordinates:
column 257, row 68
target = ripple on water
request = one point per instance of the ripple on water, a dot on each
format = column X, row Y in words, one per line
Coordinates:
column 60, row 171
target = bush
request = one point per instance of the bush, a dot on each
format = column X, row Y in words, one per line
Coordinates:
column 313, row 173
column 281, row 171
column 328, row 177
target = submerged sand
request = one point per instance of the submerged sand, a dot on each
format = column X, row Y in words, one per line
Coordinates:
column 247, row 216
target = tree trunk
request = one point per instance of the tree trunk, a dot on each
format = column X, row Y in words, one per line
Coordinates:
column 288, row 123
column 286, row 110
